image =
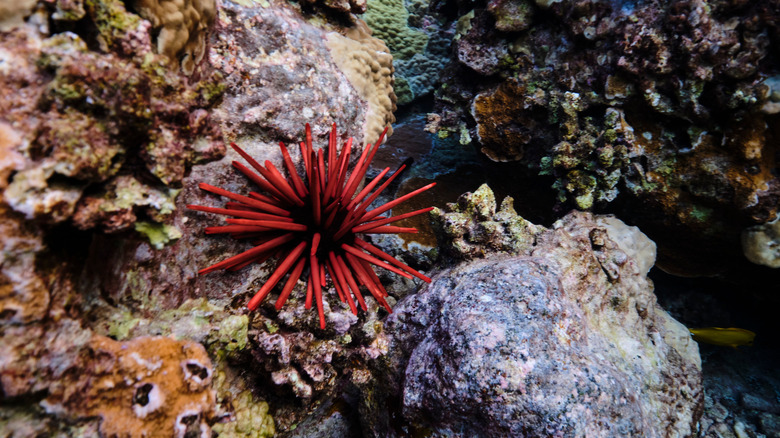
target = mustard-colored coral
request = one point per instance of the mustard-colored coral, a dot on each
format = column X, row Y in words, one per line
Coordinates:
column 368, row 65
column 183, row 26
column 149, row 386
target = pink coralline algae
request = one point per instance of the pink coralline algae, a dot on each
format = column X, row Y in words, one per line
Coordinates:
column 313, row 222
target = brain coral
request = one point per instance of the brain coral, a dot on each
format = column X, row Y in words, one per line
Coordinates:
column 368, row 65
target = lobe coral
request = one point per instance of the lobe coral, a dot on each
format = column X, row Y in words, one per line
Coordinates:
column 312, row 224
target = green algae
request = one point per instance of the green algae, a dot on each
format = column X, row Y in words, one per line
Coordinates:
column 232, row 333
column 158, row 235
column 251, row 419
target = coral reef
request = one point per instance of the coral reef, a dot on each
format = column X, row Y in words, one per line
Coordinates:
column 592, row 353
column 339, row 6
column 664, row 107
column 143, row 387
column 100, row 133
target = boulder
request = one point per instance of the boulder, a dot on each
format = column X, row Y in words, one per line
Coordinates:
column 564, row 339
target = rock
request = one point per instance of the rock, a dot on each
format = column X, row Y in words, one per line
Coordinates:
column 80, row 116
column 630, row 240
column 761, row 243
column 565, row 339
column 279, row 80
column 472, row 228
column 480, row 48
column 24, row 296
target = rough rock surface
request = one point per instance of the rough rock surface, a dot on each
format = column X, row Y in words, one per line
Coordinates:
column 565, row 339
column 665, row 110
column 472, row 227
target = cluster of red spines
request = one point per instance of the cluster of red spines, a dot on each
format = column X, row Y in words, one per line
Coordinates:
column 312, row 223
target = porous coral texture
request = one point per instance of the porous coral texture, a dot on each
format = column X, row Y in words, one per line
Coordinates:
column 565, row 339
column 506, row 119
column 368, row 64
column 181, row 26
column 417, row 38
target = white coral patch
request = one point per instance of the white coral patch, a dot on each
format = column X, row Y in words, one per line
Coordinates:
column 155, row 400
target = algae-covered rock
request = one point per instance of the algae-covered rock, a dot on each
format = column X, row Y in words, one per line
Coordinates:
column 472, row 227
column 250, row 419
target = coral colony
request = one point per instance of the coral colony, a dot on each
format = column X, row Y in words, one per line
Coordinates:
column 314, row 223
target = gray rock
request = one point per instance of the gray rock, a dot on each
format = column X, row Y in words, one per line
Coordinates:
column 566, row 340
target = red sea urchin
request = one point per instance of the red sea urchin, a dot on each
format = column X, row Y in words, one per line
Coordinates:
column 313, row 223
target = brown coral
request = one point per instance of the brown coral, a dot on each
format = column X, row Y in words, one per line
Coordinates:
column 504, row 123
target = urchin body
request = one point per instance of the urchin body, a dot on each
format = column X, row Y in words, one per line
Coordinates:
column 312, row 224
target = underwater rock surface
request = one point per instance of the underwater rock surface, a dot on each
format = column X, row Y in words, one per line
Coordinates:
column 565, row 339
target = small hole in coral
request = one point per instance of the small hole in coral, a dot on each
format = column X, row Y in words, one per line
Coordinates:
column 141, row 396
column 198, row 371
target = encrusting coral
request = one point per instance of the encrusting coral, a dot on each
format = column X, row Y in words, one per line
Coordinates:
column 368, row 65
column 148, row 386
column 314, row 223
column 472, row 227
